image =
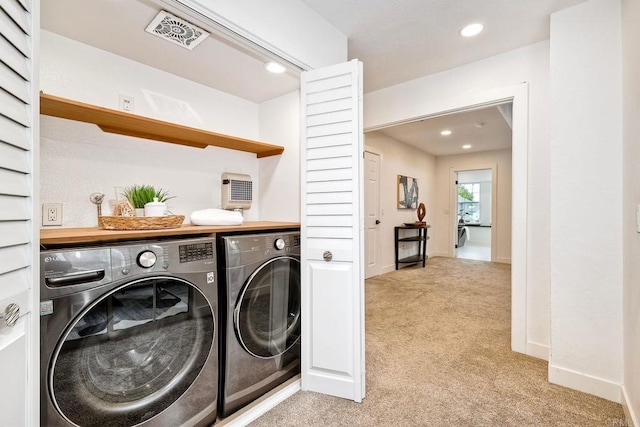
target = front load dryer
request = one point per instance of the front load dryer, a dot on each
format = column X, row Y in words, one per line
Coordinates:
column 260, row 315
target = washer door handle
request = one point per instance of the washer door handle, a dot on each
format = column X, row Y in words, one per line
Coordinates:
column 11, row 314
column 74, row 278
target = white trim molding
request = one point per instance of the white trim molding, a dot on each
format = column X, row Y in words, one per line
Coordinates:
column 262, row 405
column 538, row 350
column 630, row 415
column 586, row 383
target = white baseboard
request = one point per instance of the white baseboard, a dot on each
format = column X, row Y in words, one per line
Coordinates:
column 442, row 254
column 503, row 260
column 261, row 406
column 586, row 383
column 630, row 415
column 540, row 351
column 387, row 269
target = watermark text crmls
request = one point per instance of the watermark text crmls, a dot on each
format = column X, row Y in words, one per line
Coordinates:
column 618, row 422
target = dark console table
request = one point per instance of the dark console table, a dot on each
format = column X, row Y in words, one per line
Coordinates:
column 420, row 237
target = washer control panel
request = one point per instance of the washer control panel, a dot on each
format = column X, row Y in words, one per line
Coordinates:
column 195, row 251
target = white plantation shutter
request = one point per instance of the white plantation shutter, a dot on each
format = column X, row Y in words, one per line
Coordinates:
column 19, row 352
column 332, row 227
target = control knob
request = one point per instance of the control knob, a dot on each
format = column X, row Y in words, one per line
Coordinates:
column 279, row 244
column 147, row 259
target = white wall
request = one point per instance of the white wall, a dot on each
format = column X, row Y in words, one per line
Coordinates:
column 449, row 89
column 280, row 175
column 396, row 159
column 287, row 26
column 78, row 159
column 631, row 198
column 586, row 198
column 444, row 217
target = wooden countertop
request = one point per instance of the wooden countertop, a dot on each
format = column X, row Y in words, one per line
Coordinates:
column 62, row 236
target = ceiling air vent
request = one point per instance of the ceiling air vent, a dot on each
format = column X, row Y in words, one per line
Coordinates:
column 176, row 30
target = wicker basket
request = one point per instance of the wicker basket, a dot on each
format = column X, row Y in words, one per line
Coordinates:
column 140, row 222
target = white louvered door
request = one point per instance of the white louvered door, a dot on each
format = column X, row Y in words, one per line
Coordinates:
column 19, row 350
column 332, row 230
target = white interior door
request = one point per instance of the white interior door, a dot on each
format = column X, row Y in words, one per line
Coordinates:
column 19, row 350
column 332, row 227
column 371, row 213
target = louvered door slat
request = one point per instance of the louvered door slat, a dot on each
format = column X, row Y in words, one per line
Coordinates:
column 13, row 83
column 326, row 175
column 13, row 208
column 14, row 258
column 14, row 159
column 14, row 133
column 14, row 34
column 14, row 183
column 13, row 233
column 329, row 141
column 14, row 109
column 15, row 11
column 13, row 58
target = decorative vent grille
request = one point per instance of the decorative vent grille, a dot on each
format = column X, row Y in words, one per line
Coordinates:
column 241, row 190
column 176, row 30
column 237, row 191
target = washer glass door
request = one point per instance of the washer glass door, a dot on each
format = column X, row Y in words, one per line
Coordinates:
column 132, row 353
column 267, row 315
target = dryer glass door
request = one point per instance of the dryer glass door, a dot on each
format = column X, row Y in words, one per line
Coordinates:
column 132, row 353
column 267, row 315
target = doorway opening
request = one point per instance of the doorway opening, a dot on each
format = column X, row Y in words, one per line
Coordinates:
column 474, row 219
column 514, row 101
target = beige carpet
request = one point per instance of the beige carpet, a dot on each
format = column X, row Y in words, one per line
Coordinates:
column 438, row 353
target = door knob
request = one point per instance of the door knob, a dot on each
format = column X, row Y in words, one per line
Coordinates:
column 327, row 255
column 11, row 314
column 377, row 221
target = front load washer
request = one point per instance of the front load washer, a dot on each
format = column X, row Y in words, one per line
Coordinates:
column 260, row 315
column 129, row 334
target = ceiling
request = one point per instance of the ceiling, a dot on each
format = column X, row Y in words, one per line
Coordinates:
column 397, row 40
column 484, row 129
column 118, row 26
column 401, row 40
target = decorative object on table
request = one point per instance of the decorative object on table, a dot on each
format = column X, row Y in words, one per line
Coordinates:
column 422, row 211
column 407, row 192
column 123, row 208
column 216, row 217
column 141, row 223
column 96, row 199
column 140, row 195
column 155, row 208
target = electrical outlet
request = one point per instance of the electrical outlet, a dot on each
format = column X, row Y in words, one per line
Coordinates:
column 126, row 103
column 52, row 214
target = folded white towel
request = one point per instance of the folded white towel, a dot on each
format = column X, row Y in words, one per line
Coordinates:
column 216, row 217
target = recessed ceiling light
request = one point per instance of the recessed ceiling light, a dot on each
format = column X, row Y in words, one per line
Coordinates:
column 466, row 146
column 471, row 30
column 274, row 67
column 445, row 133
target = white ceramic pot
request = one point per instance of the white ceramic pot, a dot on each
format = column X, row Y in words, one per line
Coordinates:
column 155, row 208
